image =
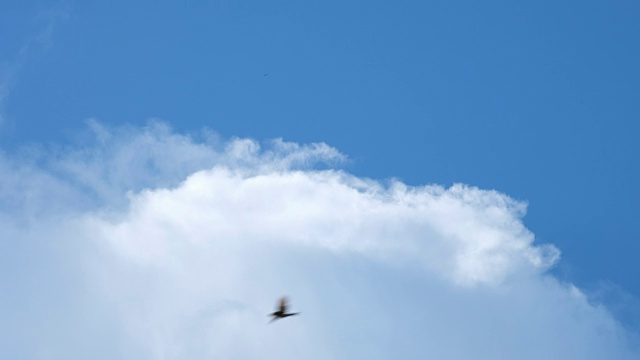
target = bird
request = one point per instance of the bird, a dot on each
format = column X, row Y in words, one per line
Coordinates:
column 281, row 310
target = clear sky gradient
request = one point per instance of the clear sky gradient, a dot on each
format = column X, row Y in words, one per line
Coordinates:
column 540, row 100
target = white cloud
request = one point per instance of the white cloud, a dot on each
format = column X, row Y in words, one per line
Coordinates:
column 181, row 247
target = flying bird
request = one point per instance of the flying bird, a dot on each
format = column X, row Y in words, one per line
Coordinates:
column 281, row 311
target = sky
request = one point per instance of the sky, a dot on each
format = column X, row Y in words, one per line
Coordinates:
column 445, row 180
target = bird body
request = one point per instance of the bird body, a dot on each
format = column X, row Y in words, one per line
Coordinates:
column 281, row 311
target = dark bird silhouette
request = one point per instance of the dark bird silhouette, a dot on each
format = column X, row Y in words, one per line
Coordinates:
column 281, row 311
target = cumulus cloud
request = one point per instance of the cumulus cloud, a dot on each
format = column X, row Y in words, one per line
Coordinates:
column 157, row 245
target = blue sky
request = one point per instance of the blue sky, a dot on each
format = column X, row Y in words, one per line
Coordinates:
column 537, row 101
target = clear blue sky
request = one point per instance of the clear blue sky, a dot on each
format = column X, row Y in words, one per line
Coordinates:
column 540, row 100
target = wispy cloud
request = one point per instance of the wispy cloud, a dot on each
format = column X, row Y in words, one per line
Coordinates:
column 10, row 68
column 159, row 245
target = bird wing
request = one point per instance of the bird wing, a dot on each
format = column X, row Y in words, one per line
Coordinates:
column 283, row 304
